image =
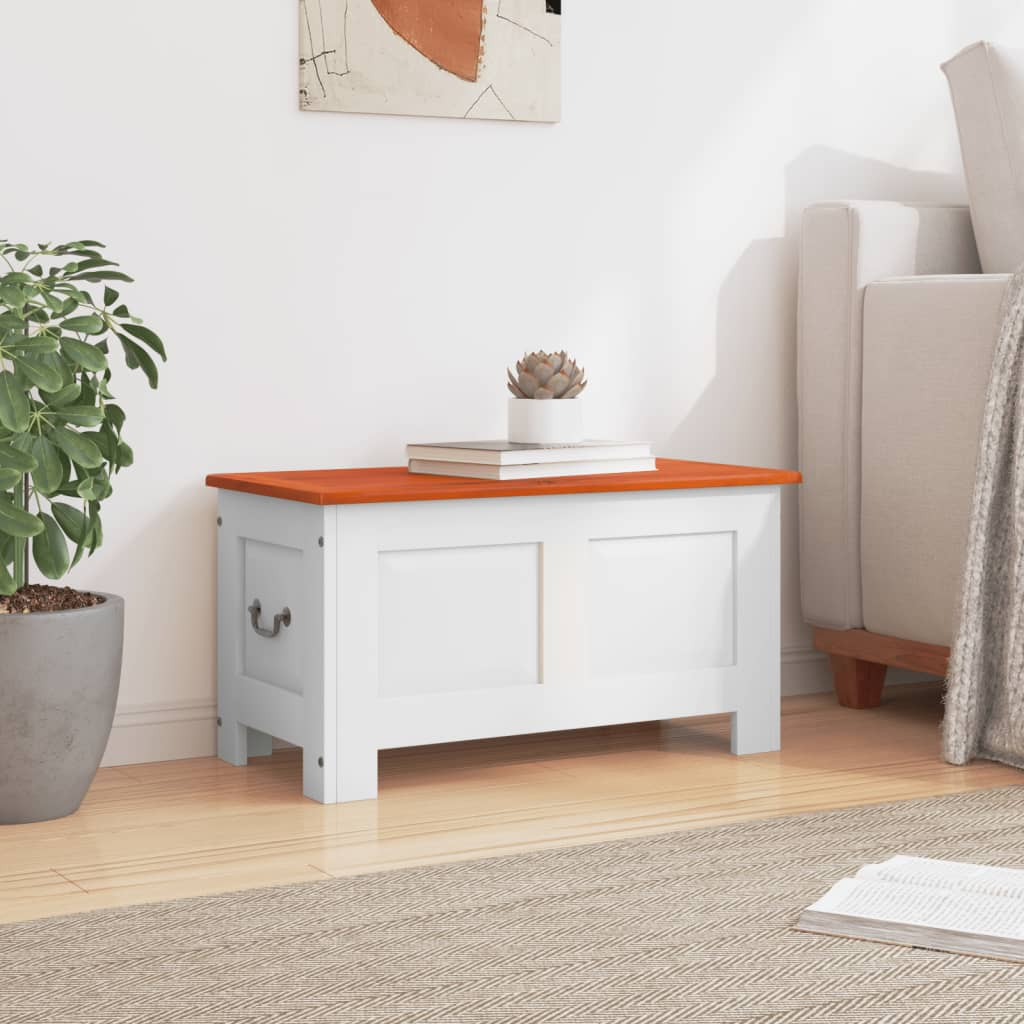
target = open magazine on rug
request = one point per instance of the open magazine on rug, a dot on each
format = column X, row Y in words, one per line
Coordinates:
column 936, row 904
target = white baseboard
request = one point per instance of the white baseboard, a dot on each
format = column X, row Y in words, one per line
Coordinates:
column 804, row 670
column 188, row 728
column 162, row 732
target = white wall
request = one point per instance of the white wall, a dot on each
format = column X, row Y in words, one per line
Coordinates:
column 332, row 286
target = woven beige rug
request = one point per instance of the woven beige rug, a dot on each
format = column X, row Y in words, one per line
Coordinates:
column 680, row 927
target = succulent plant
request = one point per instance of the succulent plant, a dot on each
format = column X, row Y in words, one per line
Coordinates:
column 547, row 375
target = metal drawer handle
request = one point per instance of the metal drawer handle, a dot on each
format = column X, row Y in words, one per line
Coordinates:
column 282, row 618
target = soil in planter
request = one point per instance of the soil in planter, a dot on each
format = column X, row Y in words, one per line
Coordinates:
column 38, row 597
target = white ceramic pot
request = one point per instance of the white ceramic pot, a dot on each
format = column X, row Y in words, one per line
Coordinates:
column 545, row 420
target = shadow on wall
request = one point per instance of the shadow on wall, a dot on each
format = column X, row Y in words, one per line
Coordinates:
column 756, row 321
column 756, row 312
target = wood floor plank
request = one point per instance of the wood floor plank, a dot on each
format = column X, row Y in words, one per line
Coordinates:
column 15, row 885
column 182, row 828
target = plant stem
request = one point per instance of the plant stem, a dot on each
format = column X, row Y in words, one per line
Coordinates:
column 21, row 544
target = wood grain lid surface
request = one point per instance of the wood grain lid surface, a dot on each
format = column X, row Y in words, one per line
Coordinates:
column 396, row 483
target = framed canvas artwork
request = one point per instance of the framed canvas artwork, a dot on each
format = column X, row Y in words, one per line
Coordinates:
column 492, row 59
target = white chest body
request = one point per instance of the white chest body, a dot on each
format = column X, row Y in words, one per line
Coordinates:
column 420, row 622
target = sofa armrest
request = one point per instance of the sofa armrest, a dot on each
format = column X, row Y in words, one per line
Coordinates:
column 844, row 246
column 928, row 346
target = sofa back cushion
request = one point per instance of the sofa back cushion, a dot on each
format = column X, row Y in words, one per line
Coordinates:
column 987, row 85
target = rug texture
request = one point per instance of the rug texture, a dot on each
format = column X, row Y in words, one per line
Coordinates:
column 679, row 927
column 985, row 692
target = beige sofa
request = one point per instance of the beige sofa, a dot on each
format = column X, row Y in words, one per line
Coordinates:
column 897, row 325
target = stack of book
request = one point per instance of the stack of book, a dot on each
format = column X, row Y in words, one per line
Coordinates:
column 505, row 460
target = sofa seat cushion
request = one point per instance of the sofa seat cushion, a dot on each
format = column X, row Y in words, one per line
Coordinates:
column 987, row 86
column 928, row 344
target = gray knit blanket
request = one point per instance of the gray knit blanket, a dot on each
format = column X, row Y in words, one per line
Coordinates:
column 985, row 684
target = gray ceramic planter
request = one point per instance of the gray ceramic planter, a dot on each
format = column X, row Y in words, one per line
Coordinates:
column 59, row 674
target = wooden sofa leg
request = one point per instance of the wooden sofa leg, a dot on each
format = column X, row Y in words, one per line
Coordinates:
column 858, row 683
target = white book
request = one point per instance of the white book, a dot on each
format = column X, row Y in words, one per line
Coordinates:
column 936, row 904
column 531, row 472
column 509, row 453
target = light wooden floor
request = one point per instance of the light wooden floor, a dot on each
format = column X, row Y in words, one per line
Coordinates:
column 182, row 828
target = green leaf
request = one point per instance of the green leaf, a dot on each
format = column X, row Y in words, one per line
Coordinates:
column 101, row 275
column 147, row 337
column 14, row 407
column 81, row 415
column 80, row 450
column 72, row 520
column 106, row 440
column 32, row 343
column 11, row 321
column 90, row 324
column 95, row 488
column 125, row 456
column 9, row 478
column 109, row 296
column 136, row 355
column 96, row 535
column 15, row 458
column 17, row 522
column 11, row 295
column 87, row 489
column 23, row 442
column 45, row 377
column 115, row 416
column 84, row 354
column 65, row 396
column 50, row 549
column 58, row 364
column 95, row 261
column 49, row 473
column 7, row 584
column 79, row 551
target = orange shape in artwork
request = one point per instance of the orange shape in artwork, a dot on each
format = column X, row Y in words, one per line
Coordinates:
column 447, row 32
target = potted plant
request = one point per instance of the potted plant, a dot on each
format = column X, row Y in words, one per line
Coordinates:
column 540, row 411
column 60, row 444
